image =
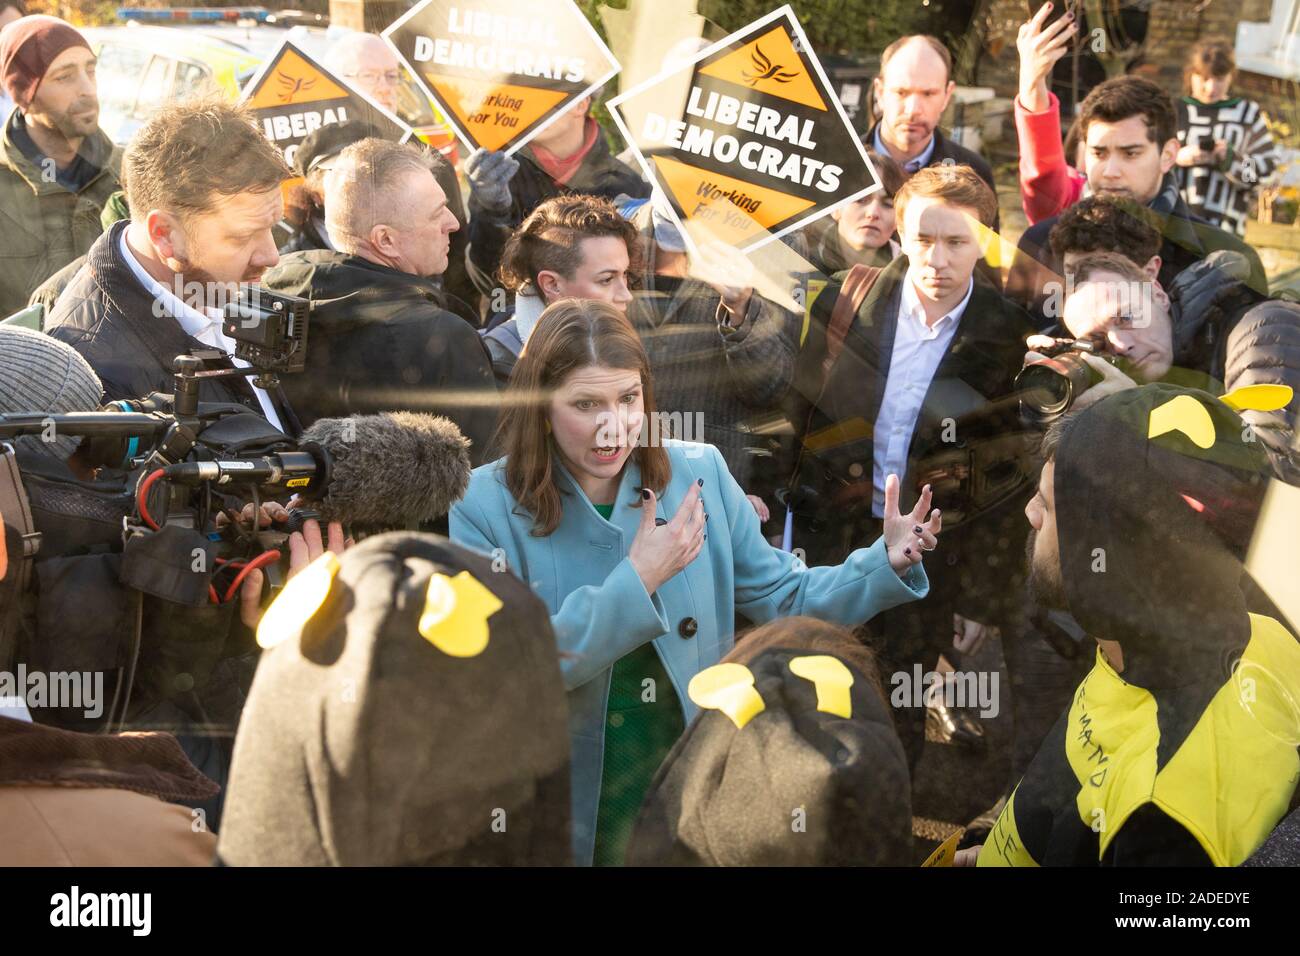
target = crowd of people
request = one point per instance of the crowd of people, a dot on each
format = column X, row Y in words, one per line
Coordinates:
column 577, row 664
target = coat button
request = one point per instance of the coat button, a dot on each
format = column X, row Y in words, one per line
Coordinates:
column 688, row 627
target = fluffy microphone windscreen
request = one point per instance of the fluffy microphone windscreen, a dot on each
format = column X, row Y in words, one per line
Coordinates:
column 391, row 471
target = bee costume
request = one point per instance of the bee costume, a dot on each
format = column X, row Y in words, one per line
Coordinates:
column 1189, row 756
column 408, row 711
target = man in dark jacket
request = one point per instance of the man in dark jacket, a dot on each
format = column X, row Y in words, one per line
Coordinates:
column 721, row 354
column 920, row 387
column 305, row 209
column 913, row 89
column 1129, row 128
column 569, row 156
column 200, row 231
column 380, row 340
column 57, row 167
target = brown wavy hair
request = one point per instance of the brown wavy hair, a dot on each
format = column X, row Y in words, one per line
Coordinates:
column 955, row 185
column 1120, row 97
column 571, row 334
column 548, row 240
column 1103, row 224
column 191, row 156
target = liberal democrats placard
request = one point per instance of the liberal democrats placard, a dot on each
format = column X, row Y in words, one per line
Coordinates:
column 501, row 70
column 748, row 139
column 293, row 95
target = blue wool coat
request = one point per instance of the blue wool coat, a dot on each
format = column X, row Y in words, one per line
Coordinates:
column 600, row 610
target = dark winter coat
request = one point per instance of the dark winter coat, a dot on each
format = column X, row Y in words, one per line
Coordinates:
column 379, row 340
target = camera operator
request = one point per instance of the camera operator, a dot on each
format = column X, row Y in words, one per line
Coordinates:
column 66, row 609
column 380, row 339
column 204, row 194
column 1210, row 332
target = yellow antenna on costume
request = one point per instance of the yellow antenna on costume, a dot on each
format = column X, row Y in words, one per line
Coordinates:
column 456, row 612
column 301, row 598
column 831, row 678
column 728, row 688
column 1258, row 398
column 1183, row 414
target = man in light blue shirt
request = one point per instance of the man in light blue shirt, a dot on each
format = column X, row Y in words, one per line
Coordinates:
column 922, row 383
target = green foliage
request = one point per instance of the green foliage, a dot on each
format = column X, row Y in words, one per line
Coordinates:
column 846, row 27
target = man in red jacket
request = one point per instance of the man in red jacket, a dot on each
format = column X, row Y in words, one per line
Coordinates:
column 1049, row 184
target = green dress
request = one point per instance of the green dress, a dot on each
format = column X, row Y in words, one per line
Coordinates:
column 639, row 732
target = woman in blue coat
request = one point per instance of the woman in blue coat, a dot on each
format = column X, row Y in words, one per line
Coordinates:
column 614, row 528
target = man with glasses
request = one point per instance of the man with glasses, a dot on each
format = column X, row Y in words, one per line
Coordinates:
column 369, row 64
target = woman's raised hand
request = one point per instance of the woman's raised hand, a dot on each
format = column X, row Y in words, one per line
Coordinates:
column 659, row 552
column 907, row 535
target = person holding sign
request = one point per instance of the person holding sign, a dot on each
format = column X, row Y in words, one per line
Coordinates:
column 569, row 156
column 613, row 536
column 369, row 64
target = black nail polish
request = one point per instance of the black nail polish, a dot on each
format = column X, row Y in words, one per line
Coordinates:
column 917, row 529
column 700, row 482
column 706, row 516
column 645, row 494
column 907, row 551
column 660, row 522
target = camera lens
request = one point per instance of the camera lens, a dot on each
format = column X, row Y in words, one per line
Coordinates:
column 1043, row 389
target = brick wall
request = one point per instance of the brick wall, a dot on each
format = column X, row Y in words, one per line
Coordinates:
column 1278, row 97
column 1172, row 28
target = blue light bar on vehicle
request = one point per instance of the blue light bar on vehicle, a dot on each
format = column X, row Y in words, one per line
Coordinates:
column 192, row 14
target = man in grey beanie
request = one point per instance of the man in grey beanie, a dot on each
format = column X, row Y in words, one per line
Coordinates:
column 41, row 374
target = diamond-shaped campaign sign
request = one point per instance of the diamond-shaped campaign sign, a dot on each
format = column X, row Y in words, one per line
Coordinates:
column 748, row 140
column 501, row 70
column 292, row 95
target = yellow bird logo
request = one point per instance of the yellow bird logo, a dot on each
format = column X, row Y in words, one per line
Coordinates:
column 291, row 86
column 765, row 69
